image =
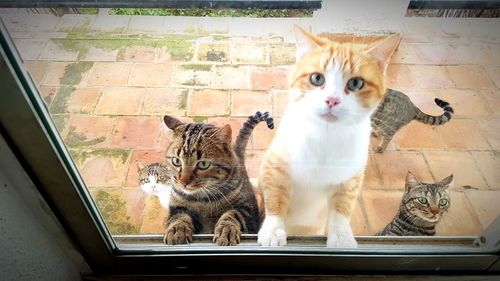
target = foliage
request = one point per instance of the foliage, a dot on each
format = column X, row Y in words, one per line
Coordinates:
column 252, row 13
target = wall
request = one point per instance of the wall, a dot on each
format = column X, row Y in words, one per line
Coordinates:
column 360, row 16
column 33, row 246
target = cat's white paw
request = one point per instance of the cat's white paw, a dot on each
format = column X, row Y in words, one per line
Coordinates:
column 272, row 237
column 341, row 239
column 272, row 233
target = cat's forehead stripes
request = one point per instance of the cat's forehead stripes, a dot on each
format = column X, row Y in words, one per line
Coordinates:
column 341, row 56
column 430, row 191
column 192, row 137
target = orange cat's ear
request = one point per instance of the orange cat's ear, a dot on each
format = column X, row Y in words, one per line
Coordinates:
column 382, row 50
column 305, row 41
column 171, row 122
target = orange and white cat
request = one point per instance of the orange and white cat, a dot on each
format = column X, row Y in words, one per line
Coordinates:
column 313, row 170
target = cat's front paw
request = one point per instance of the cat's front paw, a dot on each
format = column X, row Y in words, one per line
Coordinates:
column 227, row 234
column 272, row 233
column 178, row 233
column 341, row 239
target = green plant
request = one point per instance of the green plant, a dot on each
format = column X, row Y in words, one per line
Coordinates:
column 253, row 13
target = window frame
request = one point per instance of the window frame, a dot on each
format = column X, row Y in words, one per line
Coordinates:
column 35, row 141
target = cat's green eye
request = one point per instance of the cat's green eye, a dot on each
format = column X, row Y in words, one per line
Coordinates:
column 317, row 79
column 203, row 165
column 443, row 202
column 176, row 161
column 145, row 180
column 161, row 178
column 422, row 200
column 355, row 84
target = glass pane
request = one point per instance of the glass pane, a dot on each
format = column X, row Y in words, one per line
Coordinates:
column 108, row 76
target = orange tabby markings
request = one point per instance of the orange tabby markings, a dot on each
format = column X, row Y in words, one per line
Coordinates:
column 344, row 199
column 316, row 160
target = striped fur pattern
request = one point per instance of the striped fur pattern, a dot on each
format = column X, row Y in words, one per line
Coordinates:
column 313, row 170
column 397, row 110
column 211, row 192
column 246, row 131
column 155, row 179
column 422, row 207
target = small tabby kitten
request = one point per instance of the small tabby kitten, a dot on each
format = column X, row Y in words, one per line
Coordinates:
column 211, row 192
column 397, row 110
column 422, row 207
column 154, row 179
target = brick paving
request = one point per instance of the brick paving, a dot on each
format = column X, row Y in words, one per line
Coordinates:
column 108, row 80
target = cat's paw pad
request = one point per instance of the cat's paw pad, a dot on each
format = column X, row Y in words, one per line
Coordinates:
column 341, row 240
column 227, row 234
column 272, row 237
column 178, row 233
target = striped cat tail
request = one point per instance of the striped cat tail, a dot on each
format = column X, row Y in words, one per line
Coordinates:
column 436, row 120
column 246, row 131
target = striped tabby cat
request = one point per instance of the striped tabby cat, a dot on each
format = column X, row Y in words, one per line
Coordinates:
column 422, row 207
column 397, row 110
column 154, row 179
column 211, row 192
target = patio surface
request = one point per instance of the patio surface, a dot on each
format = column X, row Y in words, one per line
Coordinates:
column 108, row 80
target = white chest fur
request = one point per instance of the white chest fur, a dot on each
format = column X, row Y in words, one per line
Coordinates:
column 322, row 155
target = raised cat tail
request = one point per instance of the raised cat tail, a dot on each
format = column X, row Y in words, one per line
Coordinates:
column 246, row 131
column 436, row 120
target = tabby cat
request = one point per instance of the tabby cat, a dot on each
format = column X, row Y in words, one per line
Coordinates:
column 422, row 207
column 155, row 179
column 211, row 192
column 397, row 110
column 314, row 167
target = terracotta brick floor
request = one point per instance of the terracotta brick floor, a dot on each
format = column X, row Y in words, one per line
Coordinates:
column 107, row 81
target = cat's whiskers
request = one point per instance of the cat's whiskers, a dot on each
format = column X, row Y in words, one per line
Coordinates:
column 217, row 203
column 207, row 193
column 222, row 194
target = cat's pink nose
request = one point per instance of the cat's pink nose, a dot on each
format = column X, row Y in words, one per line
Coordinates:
column 332, row 101
column 434, row 210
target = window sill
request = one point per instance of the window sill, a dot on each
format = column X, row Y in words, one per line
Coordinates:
column 307, row 244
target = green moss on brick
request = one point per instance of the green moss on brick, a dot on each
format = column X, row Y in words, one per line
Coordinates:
column 154, row 211
column 178, row 49
column 216, row 56
column 199, row 119
column 80, row 156
column 82, row 46
column 73, row 72
column 218, row 52
column 220, row 37
column 182, row 101
column 60, row 121
column 59, row 104
column 76, row 139
column 72, row 76
column 197, row 67
column 114, row 211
